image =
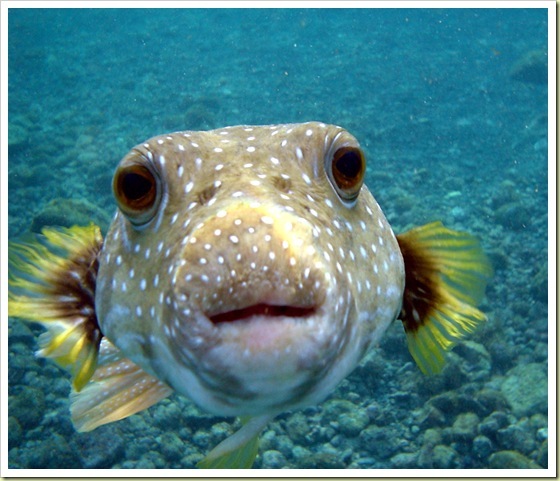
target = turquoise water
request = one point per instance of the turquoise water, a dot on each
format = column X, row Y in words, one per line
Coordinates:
column 451, row 109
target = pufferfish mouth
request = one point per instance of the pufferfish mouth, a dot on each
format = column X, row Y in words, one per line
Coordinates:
column 262, row 310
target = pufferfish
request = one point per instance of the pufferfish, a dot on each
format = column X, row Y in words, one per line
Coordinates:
column 248, row 268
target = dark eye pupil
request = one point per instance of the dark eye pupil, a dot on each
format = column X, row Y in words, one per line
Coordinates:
column 349, row 164
column 137, row 191
column 346, row 172
column 135, row 186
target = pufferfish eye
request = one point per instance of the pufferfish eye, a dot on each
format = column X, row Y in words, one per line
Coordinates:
column 137, row 192
column 346, row 170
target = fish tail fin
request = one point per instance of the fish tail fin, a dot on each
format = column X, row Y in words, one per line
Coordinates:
column 52, row 282
column 446, row 273
column 239, row 450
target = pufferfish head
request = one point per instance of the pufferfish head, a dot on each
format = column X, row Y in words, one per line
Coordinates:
column 248, row 267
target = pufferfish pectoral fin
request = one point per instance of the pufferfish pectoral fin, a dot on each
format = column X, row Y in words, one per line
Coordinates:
column 446, row 273
column 117, row 389
column 52, row 282
column 240, row 449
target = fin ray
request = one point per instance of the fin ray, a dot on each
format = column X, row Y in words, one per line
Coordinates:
column 52, row 282
column 239, row 450
column 117, row 389
column 446, row 275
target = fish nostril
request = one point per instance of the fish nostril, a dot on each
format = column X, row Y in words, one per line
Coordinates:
column 282, row 184
column 207, row 194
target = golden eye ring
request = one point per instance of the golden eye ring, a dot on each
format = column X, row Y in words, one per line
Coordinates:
column 346, row 170
column 137, row 190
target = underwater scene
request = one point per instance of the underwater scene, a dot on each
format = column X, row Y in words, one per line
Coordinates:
column 450, row 108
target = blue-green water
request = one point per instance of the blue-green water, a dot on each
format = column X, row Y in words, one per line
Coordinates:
column 451, row 109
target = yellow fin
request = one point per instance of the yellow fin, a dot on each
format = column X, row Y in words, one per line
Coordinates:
column 118, row 389
column 240, row 449
column 446, row 275
column 52, row 282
